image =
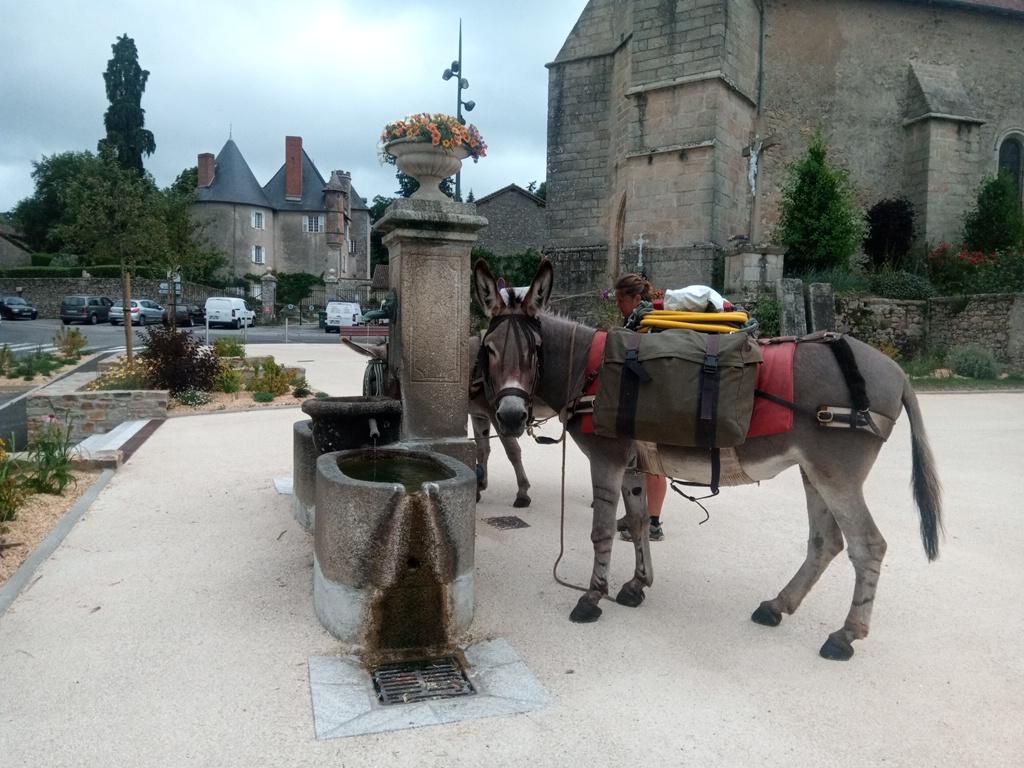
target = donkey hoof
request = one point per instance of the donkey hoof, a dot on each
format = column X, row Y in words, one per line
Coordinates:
column 630, row 596
column 585, row 612
column 522, row 501
column 478, row 496
column 836, row 648
column 766, row 615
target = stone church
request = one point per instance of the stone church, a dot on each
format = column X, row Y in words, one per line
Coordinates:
column 675, row 120
column 296, row 222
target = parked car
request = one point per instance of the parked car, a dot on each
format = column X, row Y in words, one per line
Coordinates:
column 230, row 311
column 85, row 309
column 198, row 313
column 183, row 317
column 378, row 316
column 143, row 311
column 16, row 308
column 342, row 314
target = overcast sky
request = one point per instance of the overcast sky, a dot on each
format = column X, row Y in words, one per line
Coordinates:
column 331, row 72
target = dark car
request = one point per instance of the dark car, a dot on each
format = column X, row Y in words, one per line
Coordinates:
column 85, row 309
column 16, row 308
column 184, row 315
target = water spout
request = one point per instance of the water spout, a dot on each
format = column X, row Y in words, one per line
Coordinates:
column 374, row 432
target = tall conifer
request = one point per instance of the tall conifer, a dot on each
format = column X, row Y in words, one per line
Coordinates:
column 125, row 118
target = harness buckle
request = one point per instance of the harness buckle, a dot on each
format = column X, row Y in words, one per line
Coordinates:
column 710, row 364
column 825, row 416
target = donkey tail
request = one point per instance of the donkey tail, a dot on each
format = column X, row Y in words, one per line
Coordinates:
column 924, row 478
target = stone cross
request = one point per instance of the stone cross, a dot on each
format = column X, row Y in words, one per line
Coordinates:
column 640, row 243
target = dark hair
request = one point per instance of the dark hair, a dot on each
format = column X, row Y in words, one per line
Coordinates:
column 634, row 285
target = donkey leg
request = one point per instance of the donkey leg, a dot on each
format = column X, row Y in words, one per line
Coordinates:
column 633, row 495
column 606, row 477
column 866, row 548
column 515, row 455
column 481, row 435
column 824, row 542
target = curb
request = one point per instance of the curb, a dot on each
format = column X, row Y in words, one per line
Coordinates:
column 10, row 591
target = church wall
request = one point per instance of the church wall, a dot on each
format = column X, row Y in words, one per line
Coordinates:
column 843, row 68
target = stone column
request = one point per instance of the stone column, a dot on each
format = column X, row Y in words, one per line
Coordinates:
column 429, row 244
column 268, row 296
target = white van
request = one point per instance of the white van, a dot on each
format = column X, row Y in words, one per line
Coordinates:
column 342, row 314
column 230, row 311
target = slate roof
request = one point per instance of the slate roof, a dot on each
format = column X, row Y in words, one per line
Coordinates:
column 940, row 92
column 233, row 181
column 312, row 189
column 380, row 277
column 512, row 188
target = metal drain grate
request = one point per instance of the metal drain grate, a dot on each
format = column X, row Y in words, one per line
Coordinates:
column 504, row 523
column 423, row 680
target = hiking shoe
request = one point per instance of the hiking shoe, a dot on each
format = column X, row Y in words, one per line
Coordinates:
column 656, row 533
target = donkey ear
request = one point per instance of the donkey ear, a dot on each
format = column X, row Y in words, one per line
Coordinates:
column 486, row 289
column 540, row 289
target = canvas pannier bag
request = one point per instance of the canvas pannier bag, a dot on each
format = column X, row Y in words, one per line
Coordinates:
column 677, row 387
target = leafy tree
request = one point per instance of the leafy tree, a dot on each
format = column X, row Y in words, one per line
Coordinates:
column 542, row 191
column 115, row 216
column 819, row 224
column 890, row 231
column 39, row 216
column 125, row 119
column 996, row 222
column 293, row 287
column 517, row 268
column 378, row 253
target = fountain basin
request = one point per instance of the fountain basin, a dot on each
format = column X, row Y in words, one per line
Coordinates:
column 340, row 423
column 393, row 568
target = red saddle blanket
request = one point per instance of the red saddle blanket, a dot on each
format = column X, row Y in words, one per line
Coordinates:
column 774, row 376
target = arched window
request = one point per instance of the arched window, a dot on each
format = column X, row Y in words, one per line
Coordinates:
column 1011, row 160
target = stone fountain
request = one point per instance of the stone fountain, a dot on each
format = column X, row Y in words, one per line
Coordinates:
column 393, row 511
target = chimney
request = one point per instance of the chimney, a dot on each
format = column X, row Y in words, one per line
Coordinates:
column 293, row 167
column 207, row 166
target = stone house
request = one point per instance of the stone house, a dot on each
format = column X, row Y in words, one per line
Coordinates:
column 675, row 120
column 516, row 221
column 14, row 251
column 296, row 222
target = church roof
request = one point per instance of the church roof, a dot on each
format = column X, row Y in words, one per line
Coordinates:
column 233, row 181
column 512, row 188
column 312, row 189
column 938, row 92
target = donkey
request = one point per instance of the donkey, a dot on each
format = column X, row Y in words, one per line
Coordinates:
column 833, row 462
column 480, row 417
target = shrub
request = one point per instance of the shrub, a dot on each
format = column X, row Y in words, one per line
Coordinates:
column 897, row 284
column 890, row 231
column 768, row 313
column 12, row 488
column 6, row 360
column 301, row 388
column 842, row 279
column 961, row 271
column 925, row 363
column 49, row 455
column 996, row 221
column 263, row 397
column 123, row 375
column 819, row 222
column 229, row 379
column 192, row 397
column 36, row 363
column 70, row 342
column 177, row 360
column 973, row 361
column 270, row 377
column 228, row 346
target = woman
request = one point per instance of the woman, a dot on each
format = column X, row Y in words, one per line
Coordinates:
column 633, row 297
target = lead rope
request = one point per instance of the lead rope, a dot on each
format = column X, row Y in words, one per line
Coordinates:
column 561, row 532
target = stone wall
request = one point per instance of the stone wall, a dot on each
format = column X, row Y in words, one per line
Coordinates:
column 91, row 413
column 45, row 293
column 993, row 321
column 514, row 224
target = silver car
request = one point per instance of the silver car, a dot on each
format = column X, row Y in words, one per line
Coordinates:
column 143, row 312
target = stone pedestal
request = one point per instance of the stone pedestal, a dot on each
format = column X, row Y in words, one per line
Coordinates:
column 821, row 307
column 753, row 268
column 792, row 310
column 268, row 295
column 429, row 243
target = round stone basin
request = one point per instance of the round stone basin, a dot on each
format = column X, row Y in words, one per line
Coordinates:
column 393, row 548
column 340, row 423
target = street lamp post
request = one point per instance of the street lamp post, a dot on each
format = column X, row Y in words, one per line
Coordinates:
column 460, row 84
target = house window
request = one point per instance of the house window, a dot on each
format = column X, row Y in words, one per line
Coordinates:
column 1011, row 160
column 257, row 255
column 257, row 220
column 313, row 223
column 351, row 246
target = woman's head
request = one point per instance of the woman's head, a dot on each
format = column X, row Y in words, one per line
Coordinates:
column 630, row 290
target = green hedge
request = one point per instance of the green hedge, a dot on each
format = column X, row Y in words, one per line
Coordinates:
column 100, row 270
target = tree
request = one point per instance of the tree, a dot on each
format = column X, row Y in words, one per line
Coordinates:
column 470, row 198
column 115, row 216
column 890, row 231
column 293, row 287
column 820, row 224
column 39, row 216
column 542, row 191
column 378, row 253
column 125, row 119
column 996, row 222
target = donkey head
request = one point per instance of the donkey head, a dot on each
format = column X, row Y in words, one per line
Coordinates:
column 510, row 353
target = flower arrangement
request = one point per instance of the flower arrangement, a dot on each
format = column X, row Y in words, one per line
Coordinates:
column 439, row 129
